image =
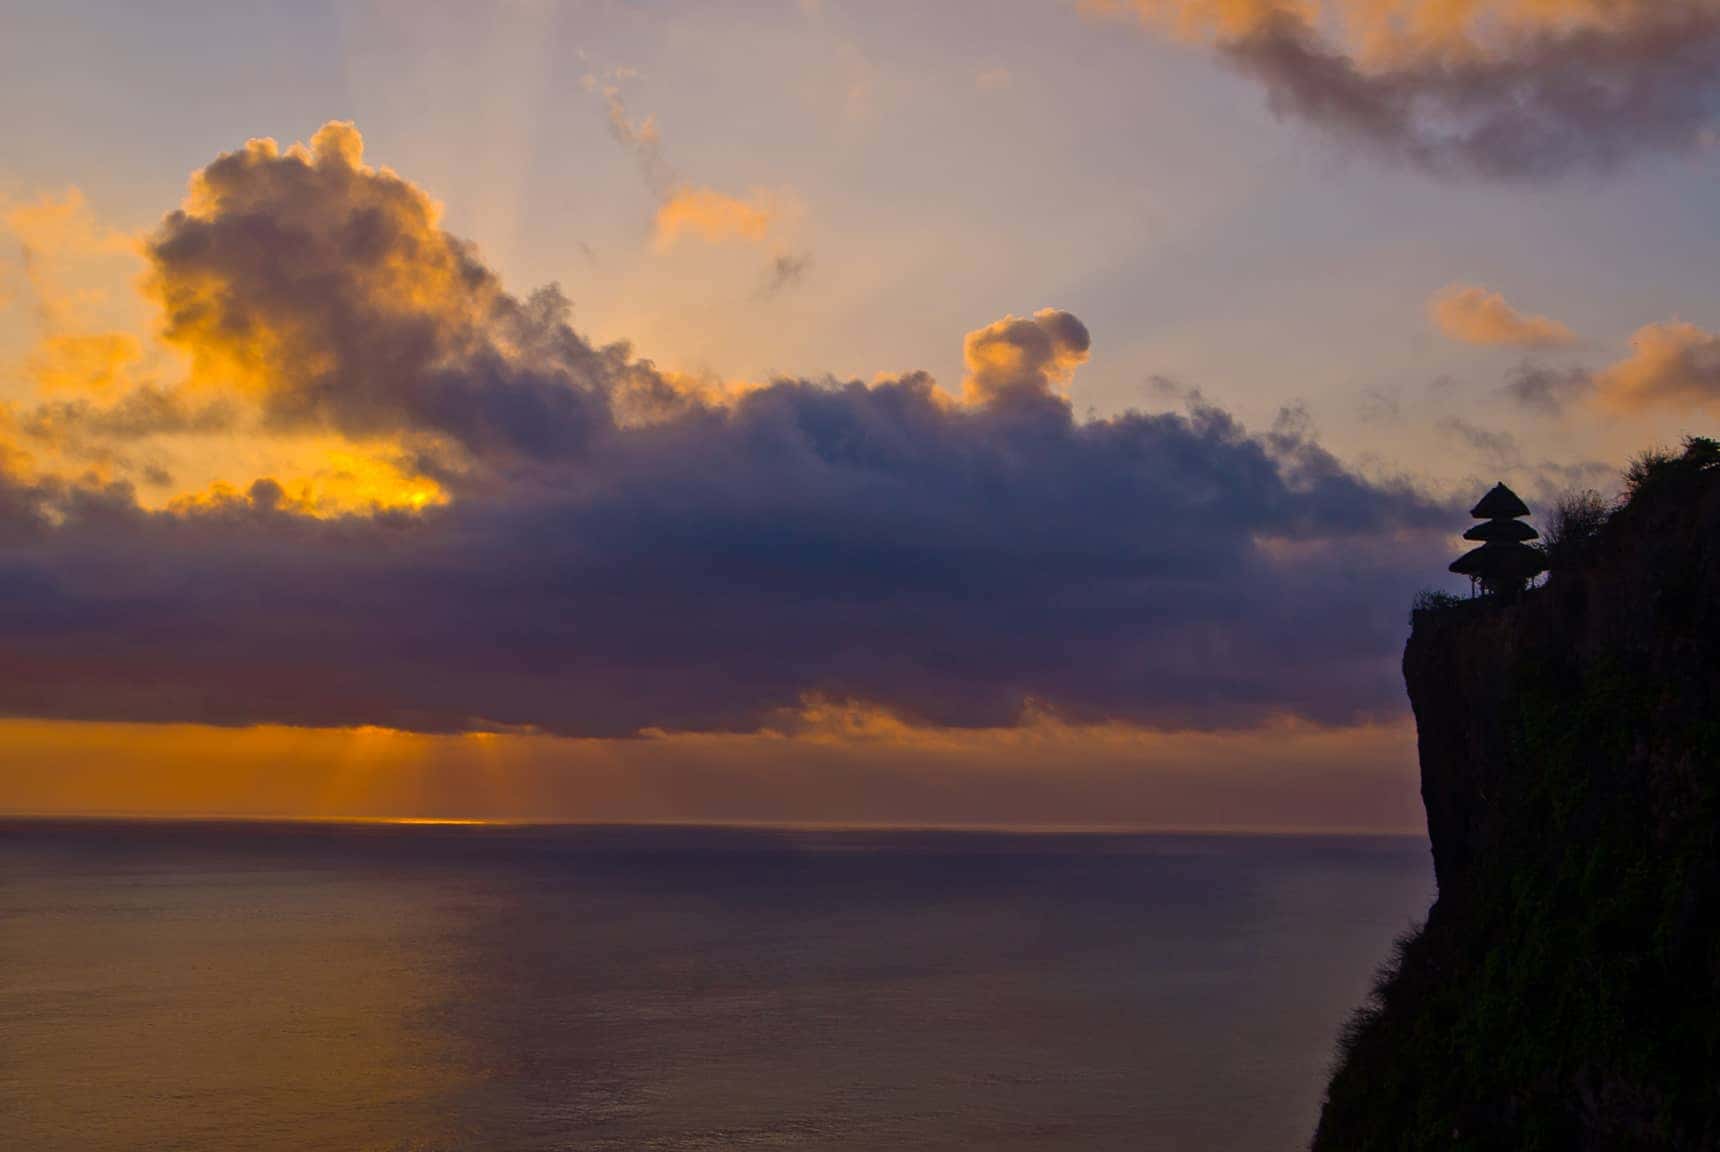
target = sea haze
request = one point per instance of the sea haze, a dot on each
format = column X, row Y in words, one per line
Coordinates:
column 212, row 986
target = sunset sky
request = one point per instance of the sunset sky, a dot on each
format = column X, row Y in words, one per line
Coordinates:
column 1018, row 412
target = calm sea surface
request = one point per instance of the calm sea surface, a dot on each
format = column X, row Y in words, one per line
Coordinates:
column 206, row 986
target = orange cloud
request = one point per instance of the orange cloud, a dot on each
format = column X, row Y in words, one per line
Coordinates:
column 1674, row 364
column 56, row 236
column 1474, row 315
column 1386, row 34
column 285, row 334
column 84, row 361
column 330, row 481
column 712, row 216
column 64, row 226
column 200, row 428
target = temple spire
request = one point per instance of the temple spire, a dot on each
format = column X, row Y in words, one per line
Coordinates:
column 1505, row 562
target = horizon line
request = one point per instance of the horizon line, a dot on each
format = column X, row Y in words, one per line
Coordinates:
column 479, row 823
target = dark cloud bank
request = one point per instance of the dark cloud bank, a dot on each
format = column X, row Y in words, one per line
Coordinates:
column 1587, row 87
column 620, row 556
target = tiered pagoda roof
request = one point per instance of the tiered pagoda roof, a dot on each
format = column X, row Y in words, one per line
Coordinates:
column 1504, row 562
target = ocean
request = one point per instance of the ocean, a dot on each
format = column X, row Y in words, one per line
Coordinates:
column 211, row 986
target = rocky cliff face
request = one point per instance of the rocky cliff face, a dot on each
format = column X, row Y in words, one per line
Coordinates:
column 1565, row 991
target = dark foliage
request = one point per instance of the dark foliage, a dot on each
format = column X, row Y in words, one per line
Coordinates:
column 1659, row 466
column 1435, row 600
column 1577, row 520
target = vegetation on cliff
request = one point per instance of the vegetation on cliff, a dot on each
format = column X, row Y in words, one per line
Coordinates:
column 1565, row 990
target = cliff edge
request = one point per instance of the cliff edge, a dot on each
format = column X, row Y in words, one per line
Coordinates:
column 1565, row 990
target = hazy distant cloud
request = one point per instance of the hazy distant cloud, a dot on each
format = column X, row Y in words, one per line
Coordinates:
column 1474, row 315
column 1547, row 390
column 1508, row 89
column 638, row 136
column 1379, row 406
column 50, row 232
column 683, row 209
column 992, row 79
column 83, row 361
column 786, row 271
column 1495, row 446
column 621, row 552
column 144, row 412
column 1541, row 482
column 1674, row 364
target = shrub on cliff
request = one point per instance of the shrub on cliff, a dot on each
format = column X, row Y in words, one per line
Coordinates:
column 1434, row 600
column 1578, row 518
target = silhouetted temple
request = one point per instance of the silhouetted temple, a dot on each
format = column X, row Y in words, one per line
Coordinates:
column 1505, row 562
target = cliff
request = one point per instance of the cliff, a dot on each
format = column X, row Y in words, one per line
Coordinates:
column 1565, row 990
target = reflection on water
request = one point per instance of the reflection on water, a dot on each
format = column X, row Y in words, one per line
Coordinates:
column 222, row 986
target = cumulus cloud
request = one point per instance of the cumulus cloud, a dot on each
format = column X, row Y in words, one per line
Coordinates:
column 951, row 565
column 1674, row 364
column 325, row 290
column 621, row 554
column 1512, row 89
column 1474, row 315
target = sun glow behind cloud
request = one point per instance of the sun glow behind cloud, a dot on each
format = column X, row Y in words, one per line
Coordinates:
column 843, row 766
column 810, row 599
column 170, row 416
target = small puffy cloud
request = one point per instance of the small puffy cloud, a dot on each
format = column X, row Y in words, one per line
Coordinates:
column 711, row 216
column 1017, row 360
column 1473, row 315
column 1507, row 89
column 1674, row 364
